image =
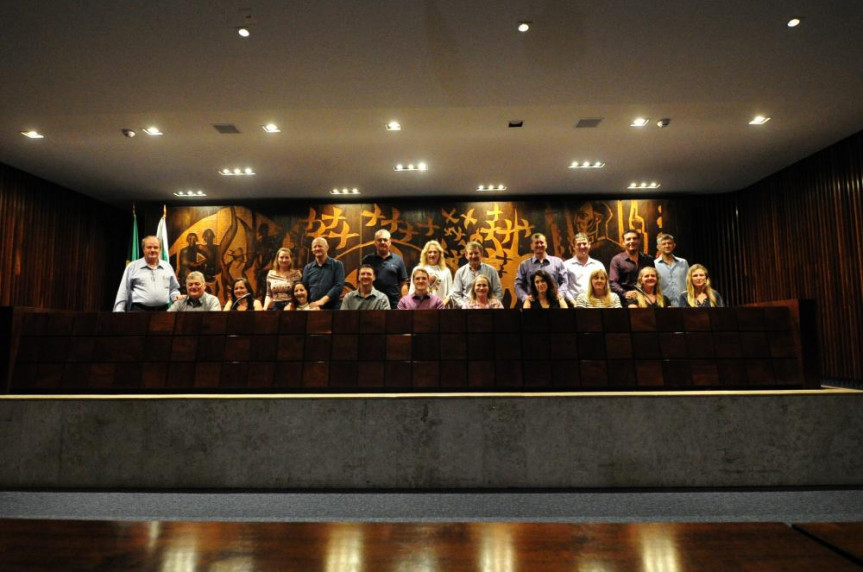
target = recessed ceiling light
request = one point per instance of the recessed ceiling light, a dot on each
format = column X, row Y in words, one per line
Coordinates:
column 32, row 134
column 516, row 123
column 190, row 194
column 640, row 122
column 411, row 167
column 345, row 191
column 759, row 120
column 490, row 188
column 793, row 22
column 152, row 131
column 394, row 126
column 237, row 172
column 644, row 185
column 271, row 128
column 587, row 165
column 244, row 31
column 524, row 26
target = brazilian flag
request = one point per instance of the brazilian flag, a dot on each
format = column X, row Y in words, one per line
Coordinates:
column 134, row 244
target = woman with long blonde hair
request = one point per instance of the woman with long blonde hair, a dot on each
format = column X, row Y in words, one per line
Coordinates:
column 598, row 294
column 440, row 277
column 648, row 292
column 482, row 297
column 699, row 292
column 280, row 280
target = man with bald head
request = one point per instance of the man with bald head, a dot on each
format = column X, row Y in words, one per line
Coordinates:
column 390, row 271
column 324, row 277
column 149, row 283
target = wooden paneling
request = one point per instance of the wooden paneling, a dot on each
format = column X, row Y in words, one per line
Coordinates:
column 796, row 234
column 718, row 348
column 58, row 249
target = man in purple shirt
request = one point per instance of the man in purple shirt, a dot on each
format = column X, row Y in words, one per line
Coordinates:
column 421, row 299
column 539, row 261
column 624, row 267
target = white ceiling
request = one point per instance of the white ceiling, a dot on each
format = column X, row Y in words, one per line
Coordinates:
column 332, row 73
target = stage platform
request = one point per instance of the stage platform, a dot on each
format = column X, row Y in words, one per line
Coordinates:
column 542, row 441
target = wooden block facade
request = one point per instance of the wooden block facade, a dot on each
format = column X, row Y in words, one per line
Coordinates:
column 453, row 350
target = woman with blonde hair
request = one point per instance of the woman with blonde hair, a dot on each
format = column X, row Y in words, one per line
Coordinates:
column 440, row 277
column 481, row 296
column 648, row 292
column 699, row 293
column 598, row 294
column 280, row 280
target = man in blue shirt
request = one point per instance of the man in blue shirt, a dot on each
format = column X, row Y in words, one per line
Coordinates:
column 670, row 269
column 324, row 278
column 540, row 261
column 149, row 284
column 391, row 274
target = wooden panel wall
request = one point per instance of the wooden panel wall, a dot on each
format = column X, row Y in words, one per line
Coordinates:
column 796, row 234
column 58, row 249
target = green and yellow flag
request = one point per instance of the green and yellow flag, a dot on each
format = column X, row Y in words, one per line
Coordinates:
column 134, row 244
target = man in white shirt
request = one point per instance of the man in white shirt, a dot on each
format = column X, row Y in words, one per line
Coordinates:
column 671, row 269
column 579, row 268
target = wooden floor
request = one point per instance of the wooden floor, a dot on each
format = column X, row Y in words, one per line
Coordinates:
column 348, row 547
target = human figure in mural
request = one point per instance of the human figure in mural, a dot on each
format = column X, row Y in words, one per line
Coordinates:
column 265, row 252
column 592, row 219
column 211, row 255
column 191, row 257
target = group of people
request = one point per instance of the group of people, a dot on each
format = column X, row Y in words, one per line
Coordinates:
column 634, row 280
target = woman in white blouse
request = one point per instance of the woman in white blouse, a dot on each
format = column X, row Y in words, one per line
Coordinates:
column 440, row 277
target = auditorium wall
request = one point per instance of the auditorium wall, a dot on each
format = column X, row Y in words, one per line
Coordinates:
column 58, row 249
column 227, row 242
column 796, row 234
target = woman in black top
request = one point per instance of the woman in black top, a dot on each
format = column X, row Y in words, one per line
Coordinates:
column 543, row 293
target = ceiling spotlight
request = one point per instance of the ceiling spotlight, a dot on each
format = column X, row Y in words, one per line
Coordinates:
column 345, row 191
column 759, row 120
column 237, row 172
column 32, row 134
column 128, row 133
column 644, row 185
column 421, row 166
column 639, row 122
column 394, row 126
column 244, row 31
column 490, row 188
column 190, row 194
column 152, row 131
column 524, row 26
column 271, row 128
column 663, row 123
column 793, row 22
column 587, row 165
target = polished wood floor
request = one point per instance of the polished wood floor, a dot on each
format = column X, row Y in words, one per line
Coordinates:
column 354, row 547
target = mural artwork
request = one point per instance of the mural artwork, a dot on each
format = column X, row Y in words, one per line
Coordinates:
column 236, row 241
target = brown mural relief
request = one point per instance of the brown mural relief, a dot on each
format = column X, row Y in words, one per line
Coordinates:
column 237, row 241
